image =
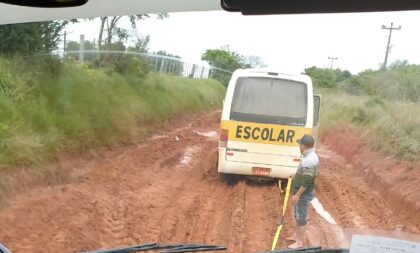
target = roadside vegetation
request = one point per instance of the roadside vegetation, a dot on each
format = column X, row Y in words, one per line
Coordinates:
column 48, row 107
column 228, row 60
column 53, row 105
column 384, row 105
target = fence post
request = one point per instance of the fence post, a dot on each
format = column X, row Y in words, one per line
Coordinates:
column 162, row 65
column 82, row 48
column 202, row 72
column 171, row 68
column 193, row 71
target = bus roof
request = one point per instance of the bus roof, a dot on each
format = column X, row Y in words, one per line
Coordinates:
column 261, row 72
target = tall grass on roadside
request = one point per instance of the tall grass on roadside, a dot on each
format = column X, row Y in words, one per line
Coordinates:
column 383, row 104
column 391, row 126
column 398, row 83
column 53, row 107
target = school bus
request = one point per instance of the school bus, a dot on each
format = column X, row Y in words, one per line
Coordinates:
column 264, row 114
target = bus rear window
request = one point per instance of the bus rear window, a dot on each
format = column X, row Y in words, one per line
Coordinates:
column 270, row 101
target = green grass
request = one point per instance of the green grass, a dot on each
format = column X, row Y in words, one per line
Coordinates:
column 384, row 105
column 47, row 108
column 390, row 126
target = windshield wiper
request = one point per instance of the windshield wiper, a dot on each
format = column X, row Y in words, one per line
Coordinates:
column 180, row 248
column 310, row 250
column 164, row 248
column 3, row 249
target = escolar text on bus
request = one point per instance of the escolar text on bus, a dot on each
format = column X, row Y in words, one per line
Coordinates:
column 265, row 134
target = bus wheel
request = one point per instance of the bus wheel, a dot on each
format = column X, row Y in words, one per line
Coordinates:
column 229, row 179
column 260, row 180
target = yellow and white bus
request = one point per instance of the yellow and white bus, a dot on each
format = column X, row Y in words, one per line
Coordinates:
column 264, row 114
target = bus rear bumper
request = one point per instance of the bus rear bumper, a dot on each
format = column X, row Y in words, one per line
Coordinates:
column 248, row 169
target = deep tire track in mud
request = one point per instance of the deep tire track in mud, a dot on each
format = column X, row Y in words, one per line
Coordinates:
column 167, row 190
column 346, row 192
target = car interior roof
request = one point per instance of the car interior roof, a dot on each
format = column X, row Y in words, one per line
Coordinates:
column 95, row 8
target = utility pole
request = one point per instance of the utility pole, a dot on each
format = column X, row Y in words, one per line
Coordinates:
column 389, row 41
column 332, row 58
column 64, row 46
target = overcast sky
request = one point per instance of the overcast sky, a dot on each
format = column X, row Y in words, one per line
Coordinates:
column 284, row 42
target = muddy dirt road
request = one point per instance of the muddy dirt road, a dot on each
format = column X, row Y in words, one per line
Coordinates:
column 166, row 189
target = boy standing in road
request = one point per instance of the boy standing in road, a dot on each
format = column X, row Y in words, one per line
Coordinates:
column 303, row 188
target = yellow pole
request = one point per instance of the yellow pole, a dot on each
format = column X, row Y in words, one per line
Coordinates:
column 280, row 225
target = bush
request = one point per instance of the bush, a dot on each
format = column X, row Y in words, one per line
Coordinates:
column 132, row 66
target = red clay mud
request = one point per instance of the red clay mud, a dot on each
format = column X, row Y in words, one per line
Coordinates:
column 166, row 189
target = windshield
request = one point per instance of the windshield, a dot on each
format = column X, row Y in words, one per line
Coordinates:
column 173, row 129
column 270, row 100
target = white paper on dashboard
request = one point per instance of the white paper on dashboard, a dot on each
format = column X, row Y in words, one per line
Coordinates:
column 372, row 244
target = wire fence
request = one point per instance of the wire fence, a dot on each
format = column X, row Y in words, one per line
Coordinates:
column 157, row 63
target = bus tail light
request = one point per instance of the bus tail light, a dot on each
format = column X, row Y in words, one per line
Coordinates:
column 224, row 133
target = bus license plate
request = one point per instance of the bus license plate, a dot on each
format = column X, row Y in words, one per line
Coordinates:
column 257, row 171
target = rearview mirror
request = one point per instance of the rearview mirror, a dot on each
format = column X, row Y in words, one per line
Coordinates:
column 261, row 7
column 46, row 3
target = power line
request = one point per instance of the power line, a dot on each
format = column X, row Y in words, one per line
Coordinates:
column 332, row 58
column 391, row 28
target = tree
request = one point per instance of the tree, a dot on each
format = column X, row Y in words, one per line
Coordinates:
column 327, row 78
column 30, row 38
column 399, row 64
column 164, row 53
column 254, row 61
column 224, row 59
column 75, row 46
column 141, row 44
column 110, row 26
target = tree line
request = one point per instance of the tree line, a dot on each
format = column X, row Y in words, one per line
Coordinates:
column 44, row 37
